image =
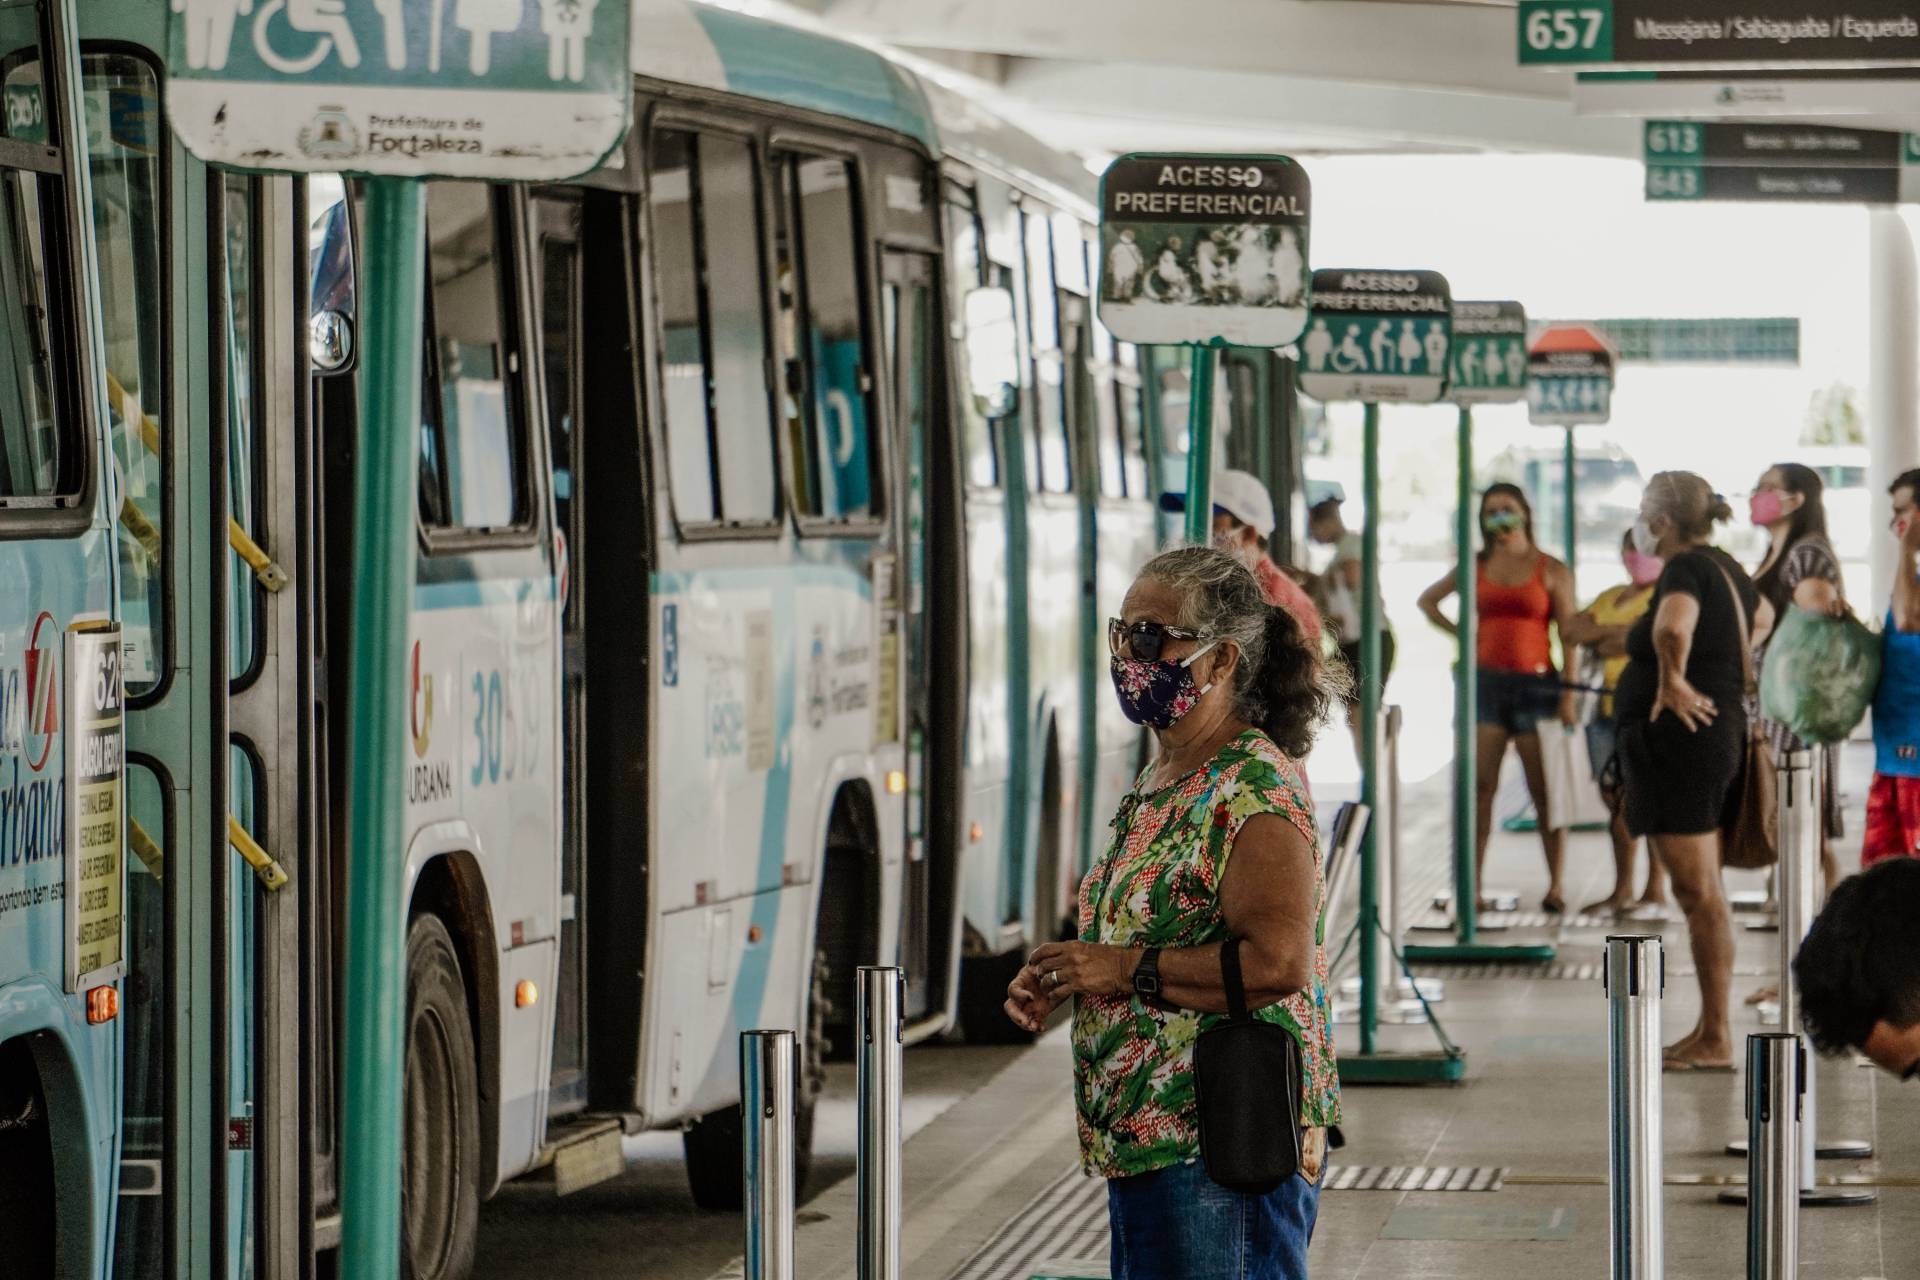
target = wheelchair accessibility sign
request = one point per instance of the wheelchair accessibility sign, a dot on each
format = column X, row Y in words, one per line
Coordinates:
column 1378, row 337
column 525, row 90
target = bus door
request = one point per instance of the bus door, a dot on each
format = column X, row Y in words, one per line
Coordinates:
column 557, row 249
column 583, row 272
column 908, row 318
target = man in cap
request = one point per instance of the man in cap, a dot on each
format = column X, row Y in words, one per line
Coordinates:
column 1242, row 524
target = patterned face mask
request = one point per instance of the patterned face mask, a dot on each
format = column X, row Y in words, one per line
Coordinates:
column 1157, row 694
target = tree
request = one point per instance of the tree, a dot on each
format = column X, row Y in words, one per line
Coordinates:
column 1833, row 417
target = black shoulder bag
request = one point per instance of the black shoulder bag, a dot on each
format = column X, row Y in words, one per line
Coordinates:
column 1248, row 1078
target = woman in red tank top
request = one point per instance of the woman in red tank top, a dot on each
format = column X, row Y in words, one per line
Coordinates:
column 1520, row 592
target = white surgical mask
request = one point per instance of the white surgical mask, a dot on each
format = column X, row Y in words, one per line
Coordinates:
column 1644, row 540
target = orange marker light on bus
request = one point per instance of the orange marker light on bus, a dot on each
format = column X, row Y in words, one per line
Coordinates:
column 103, row 1005
column 896, row 782
column 525, row 994
column 976, row 833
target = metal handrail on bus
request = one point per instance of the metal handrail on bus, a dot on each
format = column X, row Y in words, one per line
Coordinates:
column 271, row 874
column 270, row 575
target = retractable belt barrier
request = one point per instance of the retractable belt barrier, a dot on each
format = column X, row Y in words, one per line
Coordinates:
column 1635, row 982
column 1797, row 886
column 769, row 1067
column 769, row 1070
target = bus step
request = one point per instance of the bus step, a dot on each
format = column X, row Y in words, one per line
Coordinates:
column 583, row 1152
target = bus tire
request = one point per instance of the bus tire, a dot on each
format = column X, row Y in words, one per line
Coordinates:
column 28, row 1214
column 716, row 1150
column 983, row 998
column 715, row 1144
column 440, row 1169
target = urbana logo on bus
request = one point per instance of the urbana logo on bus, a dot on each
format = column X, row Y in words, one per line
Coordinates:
column 41, row 703
column 420, row 708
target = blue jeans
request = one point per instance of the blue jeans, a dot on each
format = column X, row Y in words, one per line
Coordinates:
column 1179, row 1224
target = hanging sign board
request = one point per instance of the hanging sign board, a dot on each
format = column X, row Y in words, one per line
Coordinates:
column 1670, row 340
column 1204, row 250
column 1707, row 95
column 518, row 90
column 1378, row 337
column 1692, row 160
column 95, row 818
column 1719, row 33
column 1489, row 353
column 1569, row 378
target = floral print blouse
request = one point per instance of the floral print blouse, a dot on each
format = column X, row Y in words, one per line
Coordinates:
column 1158, row 885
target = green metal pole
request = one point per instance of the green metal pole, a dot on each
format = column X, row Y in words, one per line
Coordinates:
column 1566, row 519
column 1466, row 892
column 1200, row 446
column 386, row 471
column 1369, row 727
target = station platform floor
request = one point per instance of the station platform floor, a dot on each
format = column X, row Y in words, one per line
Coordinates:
column 1500, row 1177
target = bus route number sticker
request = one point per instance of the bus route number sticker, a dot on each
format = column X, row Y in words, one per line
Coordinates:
column 95, row 818
column 1204, row 250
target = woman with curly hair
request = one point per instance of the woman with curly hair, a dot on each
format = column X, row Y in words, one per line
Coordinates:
column 1214, row 844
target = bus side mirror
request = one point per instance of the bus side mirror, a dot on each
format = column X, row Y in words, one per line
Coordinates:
column 329, row 341
column 993, row 352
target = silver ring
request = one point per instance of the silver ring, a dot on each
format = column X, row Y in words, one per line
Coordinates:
column 1054, row 977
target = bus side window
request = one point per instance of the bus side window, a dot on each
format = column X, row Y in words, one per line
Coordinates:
column 1107, row 393
column 1132, row 411
column 42, row 448
column 966, row 268
column 128, row 210
column 721, row 464
column 1043, row 314
column 828, row 377
column 472, row 450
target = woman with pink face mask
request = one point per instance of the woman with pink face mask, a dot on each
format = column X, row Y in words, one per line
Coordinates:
column 1601, row 630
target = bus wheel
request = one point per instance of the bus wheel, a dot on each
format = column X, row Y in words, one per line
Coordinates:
column 715, row 1144
column 440, row 1170
column 27, row 1210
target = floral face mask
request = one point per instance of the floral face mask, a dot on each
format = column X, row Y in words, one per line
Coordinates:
column 1157, row 694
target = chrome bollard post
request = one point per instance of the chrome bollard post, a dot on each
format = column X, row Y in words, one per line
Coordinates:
column 1776, row 1066
column 769, row 1067
column 882, row 1072
column 1797, row 886
column 1635, row 982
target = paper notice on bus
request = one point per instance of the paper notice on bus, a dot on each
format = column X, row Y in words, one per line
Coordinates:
column 515, row 90
column 95, row 820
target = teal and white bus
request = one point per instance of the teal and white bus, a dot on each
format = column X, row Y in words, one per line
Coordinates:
column 773, row 482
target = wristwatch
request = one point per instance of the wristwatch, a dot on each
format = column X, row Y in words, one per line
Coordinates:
column 1146, row 977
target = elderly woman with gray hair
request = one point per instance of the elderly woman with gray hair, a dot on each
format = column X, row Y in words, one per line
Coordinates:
column 1214, row 856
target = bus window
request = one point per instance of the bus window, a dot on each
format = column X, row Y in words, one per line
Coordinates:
column 965, row 266
column 1132, row 439
column 1106, row 413
column 1050, row 410
column 243, row 461
column 683, row 357
column 127, row 209
column 719, row 420
column 828, row 378
column 471, row 456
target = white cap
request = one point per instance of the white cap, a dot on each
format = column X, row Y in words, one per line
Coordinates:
column 1241, row 494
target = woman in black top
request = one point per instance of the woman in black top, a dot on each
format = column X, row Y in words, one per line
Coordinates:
column 1683, row 730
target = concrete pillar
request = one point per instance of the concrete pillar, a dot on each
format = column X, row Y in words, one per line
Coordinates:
column 1893, row 388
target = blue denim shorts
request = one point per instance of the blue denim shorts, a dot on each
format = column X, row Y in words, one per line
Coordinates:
column 1517, row 701
column 1179, row 1224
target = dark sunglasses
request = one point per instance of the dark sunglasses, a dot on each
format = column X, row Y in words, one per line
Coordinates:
column 1144, row 640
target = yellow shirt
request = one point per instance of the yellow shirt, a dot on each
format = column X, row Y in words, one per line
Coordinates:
column 1611, row 609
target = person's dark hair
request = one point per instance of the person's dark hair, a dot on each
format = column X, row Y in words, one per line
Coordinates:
column 1519, row 495
column 1688, row 502
column 1281, row 686
column 1906, row 480
column 1809, row 520
column 1325, row 509
column 1860, row 962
